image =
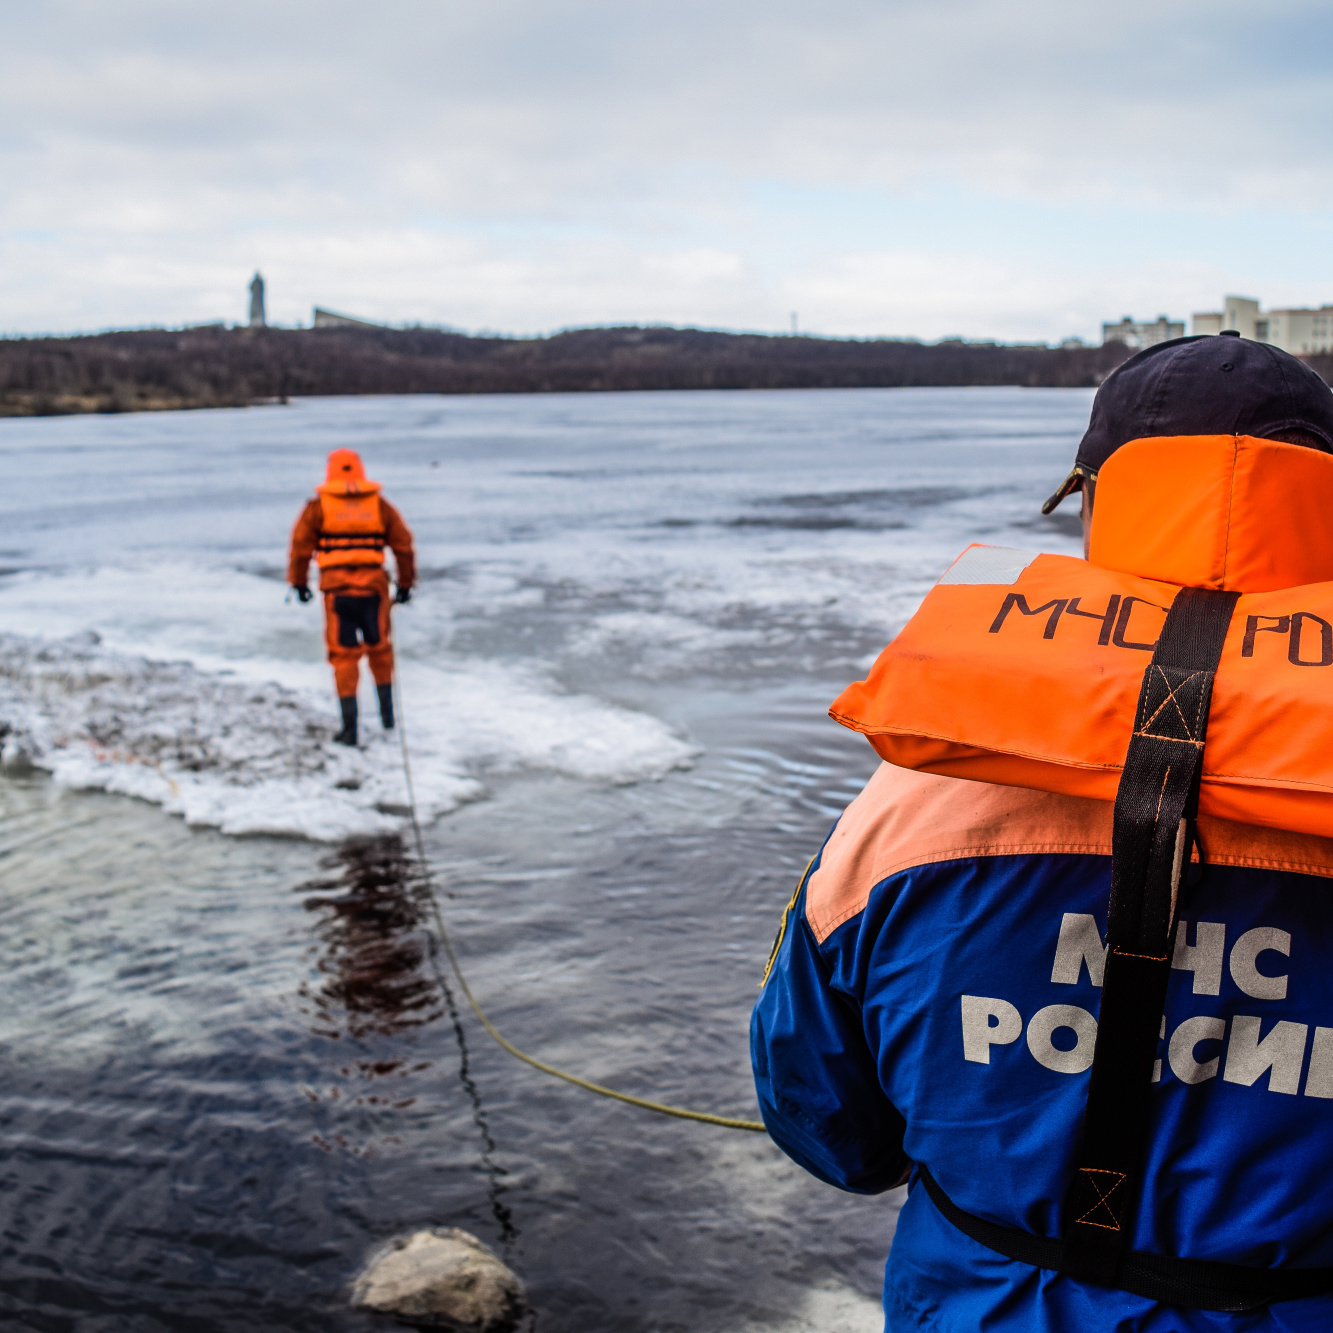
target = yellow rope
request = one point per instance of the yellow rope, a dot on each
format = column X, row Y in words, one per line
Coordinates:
column 661, row 1108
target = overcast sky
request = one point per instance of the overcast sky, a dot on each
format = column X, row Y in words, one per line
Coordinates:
column 1019, row 169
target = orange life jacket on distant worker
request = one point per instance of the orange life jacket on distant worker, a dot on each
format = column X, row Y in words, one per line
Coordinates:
column 352, row 521
column 1025, row 670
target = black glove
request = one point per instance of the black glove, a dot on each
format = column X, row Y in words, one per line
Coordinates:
column 303, row 594
column 403, row 595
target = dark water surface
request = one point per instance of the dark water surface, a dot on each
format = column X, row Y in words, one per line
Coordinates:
column 227, row 1070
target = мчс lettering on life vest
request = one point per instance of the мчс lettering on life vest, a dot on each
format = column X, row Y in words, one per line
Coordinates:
column 1045, row 653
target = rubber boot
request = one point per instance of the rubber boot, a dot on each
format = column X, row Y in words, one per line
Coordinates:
column 385, row 693
column 347, row 736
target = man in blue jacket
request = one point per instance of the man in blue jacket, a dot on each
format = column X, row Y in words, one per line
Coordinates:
column 932, row 1001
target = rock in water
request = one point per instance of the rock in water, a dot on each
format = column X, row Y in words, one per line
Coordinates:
column 442, row 1278
column 15, row 761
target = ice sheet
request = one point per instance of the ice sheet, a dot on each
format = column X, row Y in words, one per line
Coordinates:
column 250, row 755
column 583, row 560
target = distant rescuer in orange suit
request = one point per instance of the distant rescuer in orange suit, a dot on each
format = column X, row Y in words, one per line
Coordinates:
column 347, row 526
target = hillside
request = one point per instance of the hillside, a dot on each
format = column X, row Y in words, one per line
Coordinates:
column 218, row 367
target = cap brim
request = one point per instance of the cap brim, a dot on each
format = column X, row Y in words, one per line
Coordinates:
column 1073, row 482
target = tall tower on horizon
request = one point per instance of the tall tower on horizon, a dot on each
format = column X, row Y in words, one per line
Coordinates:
column 257, row 320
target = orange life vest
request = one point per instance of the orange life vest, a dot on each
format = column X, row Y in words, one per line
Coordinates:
column 1026, row 669
column 351, row 526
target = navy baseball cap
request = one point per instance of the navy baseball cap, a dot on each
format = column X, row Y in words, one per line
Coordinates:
column 1211, row 384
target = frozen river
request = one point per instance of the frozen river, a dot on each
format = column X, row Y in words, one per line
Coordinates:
column 224, row 1072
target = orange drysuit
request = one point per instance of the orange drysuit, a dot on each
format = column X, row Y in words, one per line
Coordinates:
column 347, row 526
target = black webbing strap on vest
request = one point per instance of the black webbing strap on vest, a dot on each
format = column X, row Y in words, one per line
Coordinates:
column 1198, row 1283
column 1156, row 799
column 1155, row 807
column 352, row 541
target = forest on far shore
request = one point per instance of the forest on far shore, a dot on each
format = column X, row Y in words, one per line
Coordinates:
column 154, row 369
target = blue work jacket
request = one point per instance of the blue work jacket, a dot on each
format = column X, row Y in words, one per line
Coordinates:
column 933, row 998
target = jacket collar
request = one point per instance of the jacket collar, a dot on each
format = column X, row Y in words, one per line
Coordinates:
column 1230, row 512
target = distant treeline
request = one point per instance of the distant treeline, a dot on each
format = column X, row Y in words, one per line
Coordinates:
column 218, row 367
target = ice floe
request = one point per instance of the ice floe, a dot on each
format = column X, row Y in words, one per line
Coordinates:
column 255, row 756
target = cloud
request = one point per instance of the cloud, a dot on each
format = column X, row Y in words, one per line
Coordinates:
column 521, row 165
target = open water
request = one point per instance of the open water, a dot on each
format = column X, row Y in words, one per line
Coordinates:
column 226, row 1073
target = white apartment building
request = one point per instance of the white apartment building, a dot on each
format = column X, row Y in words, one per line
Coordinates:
column 1293, row 330
column 1137, row 334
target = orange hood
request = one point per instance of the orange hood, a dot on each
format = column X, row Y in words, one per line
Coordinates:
column 1024, row 669
column 346, row 475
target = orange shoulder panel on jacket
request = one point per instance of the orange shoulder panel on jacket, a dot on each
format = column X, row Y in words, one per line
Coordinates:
column 904, row 819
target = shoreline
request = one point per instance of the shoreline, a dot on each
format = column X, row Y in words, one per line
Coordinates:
column 164, row 370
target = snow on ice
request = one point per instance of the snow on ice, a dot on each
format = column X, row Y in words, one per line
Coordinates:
column 252, row 756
